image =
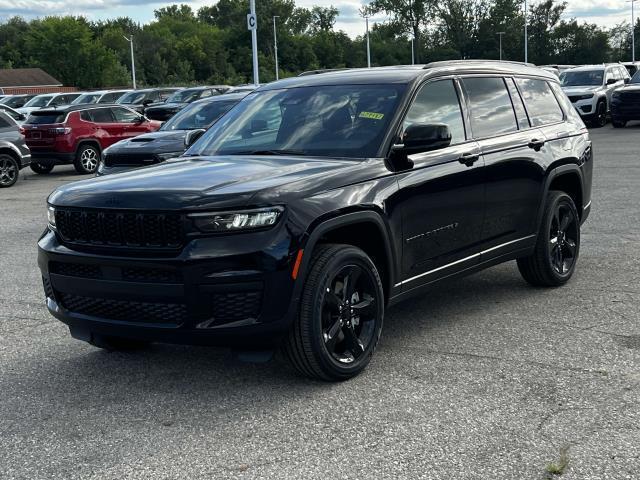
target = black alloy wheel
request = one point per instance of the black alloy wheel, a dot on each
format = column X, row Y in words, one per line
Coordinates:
column 563, row 239
column 9, row 171
column 555, row 256
column 600, row 117
column 341, row 315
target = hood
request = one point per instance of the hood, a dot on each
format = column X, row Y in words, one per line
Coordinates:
column 155, row 142
column 198, row 183
column 27, row 110
column 581, row 90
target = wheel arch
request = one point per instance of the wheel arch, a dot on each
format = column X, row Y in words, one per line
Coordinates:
column 88, row 141
column 10, row 149
column 366, row 230
column 567, row 178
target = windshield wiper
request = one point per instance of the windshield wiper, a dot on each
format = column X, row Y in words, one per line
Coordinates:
column 268, row 152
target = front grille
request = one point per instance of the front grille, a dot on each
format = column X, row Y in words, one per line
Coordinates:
column 151, row 275
column 574, row 98
column 76, row 270
column 125, row 310
column 48, row 290
column 120, row 229
column 232, row 306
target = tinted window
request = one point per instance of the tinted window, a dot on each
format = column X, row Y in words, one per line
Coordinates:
column 132, row 97
column 102, row 115
column 328, row 121
column 540, row 100
column 45, row 118
column 198, row 115
column 571, row 112
column 491, row 109
column 438, row 102
column 164, row 94
column 5, row 121
column 516, row 99
column 125, row 116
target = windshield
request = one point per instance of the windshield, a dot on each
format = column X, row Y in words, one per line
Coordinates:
column 131, row 98
column 86, row 98
column 635, row 78
column 198, row 115
column 326, row 121
column 14, row 101
column 12, row 113
column 184, row 96
column 39, row 101
column 582, row 78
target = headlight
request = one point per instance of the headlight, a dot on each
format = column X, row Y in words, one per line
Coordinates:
column 236, row 221
column 51, row 217
column 167, row 156
column 586, row 96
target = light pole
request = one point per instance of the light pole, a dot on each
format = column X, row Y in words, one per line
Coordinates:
column 526, row 37
column 500, row 34
column 633, row 32
column 366, row 20
column 253, row 26
column 275, row 45
column 413, row 34
column 133, row 61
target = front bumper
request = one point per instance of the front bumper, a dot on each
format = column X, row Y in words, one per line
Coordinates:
column 217, row 291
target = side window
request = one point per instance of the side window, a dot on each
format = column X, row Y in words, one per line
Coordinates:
column 4, row 121
column 86, row 116
column 567, row 106
column 516, row 99
column 540, row 100
column 491, row 109
column 107, row 98
column 124, row 115
column 205, row 93
column 608, row 75
column 164, row 94
column 102, row 115
column 437, row 102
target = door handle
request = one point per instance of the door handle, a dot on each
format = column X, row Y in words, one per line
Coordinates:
column 536, row 144
column 469, row 158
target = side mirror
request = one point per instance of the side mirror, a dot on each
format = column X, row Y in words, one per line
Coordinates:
column 148, row 101
column 22, row 117
column 141, row 119
column 627, row 80
column 611, row 81
column 422, row 137
column 192, row 136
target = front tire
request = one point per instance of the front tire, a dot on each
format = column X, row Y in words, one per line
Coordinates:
column 558, row 245
column 9, row 171
column 600, row 117
column 87, row 159
column 41, row 169
column 340, row 317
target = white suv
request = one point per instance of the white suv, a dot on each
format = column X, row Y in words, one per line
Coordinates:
column 590, row 88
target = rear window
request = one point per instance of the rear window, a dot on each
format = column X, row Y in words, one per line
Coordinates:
column 540, row 101
column 45, row 118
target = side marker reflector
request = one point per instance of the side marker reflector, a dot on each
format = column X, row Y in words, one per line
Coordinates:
column 296, row 265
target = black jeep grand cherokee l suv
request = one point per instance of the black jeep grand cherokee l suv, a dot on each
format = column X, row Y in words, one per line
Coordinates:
column 316, row 203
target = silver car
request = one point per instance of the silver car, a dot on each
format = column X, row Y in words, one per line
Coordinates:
column 14, row 153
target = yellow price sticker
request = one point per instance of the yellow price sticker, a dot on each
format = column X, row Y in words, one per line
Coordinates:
column 371, row 115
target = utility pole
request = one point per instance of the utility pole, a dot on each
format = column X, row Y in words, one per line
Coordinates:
column 275, row 45
column 413, row 35
column 500, row 34
column 252, row 24
column 526, row 37
column 133, row 61
column 366, row 19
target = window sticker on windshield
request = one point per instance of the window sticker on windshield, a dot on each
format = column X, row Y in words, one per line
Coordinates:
column 371, row 115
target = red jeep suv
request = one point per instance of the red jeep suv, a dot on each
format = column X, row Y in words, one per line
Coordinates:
column 78, row 134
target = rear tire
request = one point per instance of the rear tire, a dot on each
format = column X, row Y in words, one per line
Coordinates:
column 41, row 169
column 9, row 170
column 87, row 159
column 340, row 317
column 116, row 344
column 555, row 256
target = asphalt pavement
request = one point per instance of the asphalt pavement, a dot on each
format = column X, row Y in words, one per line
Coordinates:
column 482, row 378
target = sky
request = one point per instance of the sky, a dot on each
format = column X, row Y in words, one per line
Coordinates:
column 605, row 13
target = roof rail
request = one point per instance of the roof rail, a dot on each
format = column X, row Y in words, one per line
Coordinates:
column 319, row 71
column 472, row 60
